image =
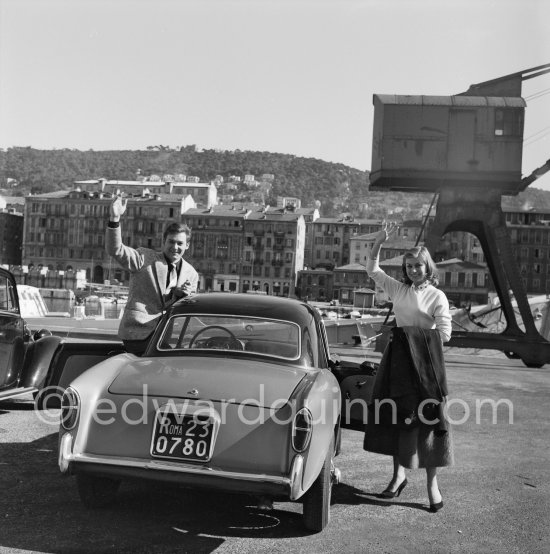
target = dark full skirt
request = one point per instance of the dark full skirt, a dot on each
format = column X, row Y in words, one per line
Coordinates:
column 418, row 447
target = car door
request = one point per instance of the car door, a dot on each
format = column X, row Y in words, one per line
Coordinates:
column 356, row 379
column 12, row 332
column 66, row 360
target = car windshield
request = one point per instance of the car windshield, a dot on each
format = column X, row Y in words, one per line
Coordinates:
column 269, row 337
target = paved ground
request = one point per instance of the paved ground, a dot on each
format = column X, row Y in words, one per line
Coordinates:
column 497, row 497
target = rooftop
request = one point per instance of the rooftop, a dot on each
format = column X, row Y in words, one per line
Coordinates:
column 351, row 267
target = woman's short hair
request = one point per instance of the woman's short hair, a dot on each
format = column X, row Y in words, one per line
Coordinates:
column 422, row 253
column 174, row 228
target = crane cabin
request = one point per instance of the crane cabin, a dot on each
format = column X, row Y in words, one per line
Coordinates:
column 424, row 143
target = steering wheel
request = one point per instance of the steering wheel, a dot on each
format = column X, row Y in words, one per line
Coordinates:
column 231, row 343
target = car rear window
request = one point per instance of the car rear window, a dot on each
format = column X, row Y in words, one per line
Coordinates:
column 269, row 337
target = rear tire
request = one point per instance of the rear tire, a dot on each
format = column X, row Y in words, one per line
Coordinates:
column 317, row 498
column 95, row 491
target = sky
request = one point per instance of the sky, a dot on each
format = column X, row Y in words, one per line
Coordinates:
column 288, row 76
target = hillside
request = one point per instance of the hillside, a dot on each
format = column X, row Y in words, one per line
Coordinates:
column 336, row 187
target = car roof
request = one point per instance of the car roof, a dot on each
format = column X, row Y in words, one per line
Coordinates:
column 253, row 305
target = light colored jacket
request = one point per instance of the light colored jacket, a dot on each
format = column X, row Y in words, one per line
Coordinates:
column 147, row 291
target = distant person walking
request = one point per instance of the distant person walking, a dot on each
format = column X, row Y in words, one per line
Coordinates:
column 411, row 380
column 157, row 279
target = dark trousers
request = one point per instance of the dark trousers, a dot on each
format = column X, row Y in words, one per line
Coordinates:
column 137, row 347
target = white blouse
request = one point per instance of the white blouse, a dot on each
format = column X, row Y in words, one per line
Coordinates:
column 424, row 306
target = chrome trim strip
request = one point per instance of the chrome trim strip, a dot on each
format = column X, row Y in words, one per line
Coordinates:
column 12, row 393
column 176, row 467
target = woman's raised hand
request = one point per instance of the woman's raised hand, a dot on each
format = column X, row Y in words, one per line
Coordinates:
column 387, row 230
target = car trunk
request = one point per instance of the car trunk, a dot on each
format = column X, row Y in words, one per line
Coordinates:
column 233, row 380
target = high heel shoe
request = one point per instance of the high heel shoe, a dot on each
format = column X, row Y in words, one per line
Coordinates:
column 394, row 494
column 436, row 507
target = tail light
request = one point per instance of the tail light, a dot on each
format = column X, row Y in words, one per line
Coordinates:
column 301, row 430
column 70, row 408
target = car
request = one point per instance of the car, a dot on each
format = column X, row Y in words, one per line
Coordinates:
column 37, row 362
column 235, row 392
column 19, row 371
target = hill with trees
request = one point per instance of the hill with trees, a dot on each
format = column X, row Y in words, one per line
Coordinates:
column 335, row 187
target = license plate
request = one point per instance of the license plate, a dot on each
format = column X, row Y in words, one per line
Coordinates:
column 182, row 437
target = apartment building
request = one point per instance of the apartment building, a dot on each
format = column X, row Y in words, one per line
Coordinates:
column 316, row 284
column 65, row 230
column 274, row 250
column 348, row 279
column 216, row 248
column 11, row 233
column 464, row 282
column 241, row 249
column 361, row 246
column 529, row 229
column 331, row 239
column 310, row 215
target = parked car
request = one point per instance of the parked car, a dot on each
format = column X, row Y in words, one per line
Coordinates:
column 20, row 370
column 235, row 392
column 38, row 362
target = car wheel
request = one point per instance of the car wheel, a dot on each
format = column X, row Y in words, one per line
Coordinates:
column 95, row 491
column 317, row 498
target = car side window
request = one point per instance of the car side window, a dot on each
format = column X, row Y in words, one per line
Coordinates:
column 7, row 295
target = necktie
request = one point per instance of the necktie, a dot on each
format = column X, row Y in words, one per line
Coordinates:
column 172, row 278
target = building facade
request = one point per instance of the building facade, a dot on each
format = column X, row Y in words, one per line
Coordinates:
column 348, row 279
column 529, row 229
column 216, row 246
column 316, row 284
column 331, row 240
column 241, row 250
column 11, row 236
column 65, row 230
column 463, row 282
column 274, row 250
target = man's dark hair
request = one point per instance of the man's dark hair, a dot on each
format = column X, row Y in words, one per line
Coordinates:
column 175, row 228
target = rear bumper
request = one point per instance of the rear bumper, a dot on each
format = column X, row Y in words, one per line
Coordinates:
column 195, row 476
